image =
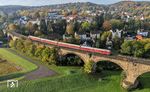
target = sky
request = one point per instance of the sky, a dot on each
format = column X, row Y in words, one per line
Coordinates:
column 50, row 2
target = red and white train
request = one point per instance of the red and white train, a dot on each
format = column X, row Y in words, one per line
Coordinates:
column 71, row 46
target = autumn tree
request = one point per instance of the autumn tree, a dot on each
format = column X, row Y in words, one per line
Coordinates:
column 37, row 33
column 27, row 43
column 107, row 26
column 19, row 45
column 35, row 27
column 43, row 26
column 36, row 15
column 117, row 42
column 46, row 54
column 116, row 24
column 104, row 36
column 86, row 26
column 88, row 67
column 32, row 49
column 12, row 27
column 69, row 29
column 29, row 27
column 138, row 48
column 74, row 11
column 12, row 44
column 54, row 56
column 65, row 13
column 39, row 50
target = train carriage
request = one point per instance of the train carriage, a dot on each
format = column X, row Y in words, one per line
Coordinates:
column 71, row 46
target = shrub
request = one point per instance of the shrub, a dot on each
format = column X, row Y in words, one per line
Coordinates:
column 20, row 45
column 88, row 67
column 126, row 48
column 38, row 51
column 147, row 50
column 12, row 43
column 136, row 48
column 46, row 54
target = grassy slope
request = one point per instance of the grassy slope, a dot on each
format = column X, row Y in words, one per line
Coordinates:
column 26, row 65
column 77, row 82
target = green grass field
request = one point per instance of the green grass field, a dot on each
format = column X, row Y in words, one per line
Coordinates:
column 24, row 64
column 72, row 79
column 71, row 82
column 78, row 82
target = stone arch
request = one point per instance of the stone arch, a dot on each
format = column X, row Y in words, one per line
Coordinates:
column 84, row 57
column 142, row 74
column 103, row 62
column 117, row 62
column 139, row 77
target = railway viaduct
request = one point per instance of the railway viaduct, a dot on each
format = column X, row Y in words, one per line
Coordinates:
column 133, row 67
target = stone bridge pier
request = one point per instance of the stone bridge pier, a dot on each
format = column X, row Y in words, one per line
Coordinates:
column 132, row 70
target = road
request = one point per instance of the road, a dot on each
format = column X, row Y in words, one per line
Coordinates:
column 41, row 72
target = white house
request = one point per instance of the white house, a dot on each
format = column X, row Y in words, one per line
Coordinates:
column 116, row 33
column 95, row 34
column 23, row 20
column 37, row 21
column 143, row 34
column 82, row 35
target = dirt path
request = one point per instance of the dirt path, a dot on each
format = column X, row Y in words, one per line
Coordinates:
column 41, row 72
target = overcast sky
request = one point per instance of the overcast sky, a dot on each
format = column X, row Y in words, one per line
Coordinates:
column 49, row 2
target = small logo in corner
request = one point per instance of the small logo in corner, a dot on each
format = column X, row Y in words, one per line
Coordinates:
column 12, row 83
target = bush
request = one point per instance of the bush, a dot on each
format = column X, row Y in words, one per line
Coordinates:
column 38, row 51
column 46, row 54
column 31, row 50
column 147, row 50
column 126, row 48
column 136, row 48
column 12, row 44
column 88, row 67
column 19, row 45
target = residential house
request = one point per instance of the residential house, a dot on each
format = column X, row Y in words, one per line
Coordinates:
column 37, row 21
column 70, row 18
column 85, row 38
column 54, row 15
column 95, row 34
column 23, row 20
column 143, row 33
column 117, row 33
